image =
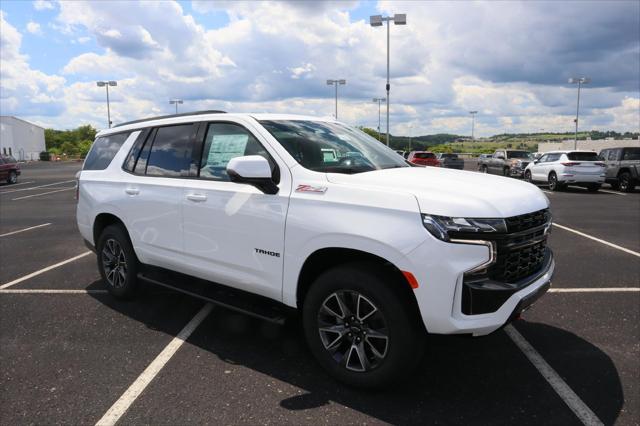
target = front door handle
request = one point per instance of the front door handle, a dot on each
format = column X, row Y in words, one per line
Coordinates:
column 197, row 197
column 132, row 191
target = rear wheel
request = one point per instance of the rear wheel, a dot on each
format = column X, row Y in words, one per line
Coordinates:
column 554, row 185
column 505, row 171
column 117, row 262
column 625, row 182
column 361, row 329
column 12, row 178
column 483, row 169
column 527, row 176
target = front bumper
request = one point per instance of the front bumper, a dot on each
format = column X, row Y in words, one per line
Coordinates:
column 442, row 284
column 516, row 172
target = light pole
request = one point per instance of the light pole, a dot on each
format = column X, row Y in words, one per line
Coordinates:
column 175, row 101
column 473, row 124
column 336, row 83
column 107, row 84
column 579, row 81
column 379, row 101
column 376, row 21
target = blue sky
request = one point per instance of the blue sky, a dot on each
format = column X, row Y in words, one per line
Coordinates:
column 508, row 60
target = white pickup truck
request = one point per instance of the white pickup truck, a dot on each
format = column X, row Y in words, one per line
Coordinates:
column 248, row 211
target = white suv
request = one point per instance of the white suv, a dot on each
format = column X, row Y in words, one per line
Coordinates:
column 561, row 168
column 246, row 210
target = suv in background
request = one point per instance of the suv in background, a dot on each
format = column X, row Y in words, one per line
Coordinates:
column 623, row 167
column 9, row 169
column 246, row 211
column 450, row 161
column 423, row 158
column 561, row 168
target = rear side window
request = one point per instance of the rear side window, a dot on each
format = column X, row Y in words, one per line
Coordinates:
column 170, row 154
column 613, row 155
column 582, row 156
column 631, row 154
column 103, row 151
column 553, row 157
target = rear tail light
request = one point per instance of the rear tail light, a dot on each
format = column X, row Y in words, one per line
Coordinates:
column 571, row 163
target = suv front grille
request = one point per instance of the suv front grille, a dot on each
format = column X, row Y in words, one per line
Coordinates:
column 527, row 221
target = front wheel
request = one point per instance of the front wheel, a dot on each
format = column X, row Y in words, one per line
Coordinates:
column 483, row 169
column 360, row 327
column 527, row 176
column 12, row 178
column 117, row 262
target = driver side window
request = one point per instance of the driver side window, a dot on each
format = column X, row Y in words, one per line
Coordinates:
column 224, row 141
column 543, row 159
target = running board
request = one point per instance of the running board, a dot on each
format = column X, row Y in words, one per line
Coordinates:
column 226, row 297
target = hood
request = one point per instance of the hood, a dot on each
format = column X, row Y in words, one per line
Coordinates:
column 455, row 193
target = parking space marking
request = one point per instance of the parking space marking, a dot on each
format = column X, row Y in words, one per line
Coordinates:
column 25, row 229
column 607, row 243
column 43, row 270
column 547, row 192
column 596, row 290
column 611, row 192
column 130, row 395
column 44, row 193
column 21, row 183
column 36, row 187
column 51, row 291
column 573, row 401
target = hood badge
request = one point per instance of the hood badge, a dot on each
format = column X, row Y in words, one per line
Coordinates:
column 312, row 189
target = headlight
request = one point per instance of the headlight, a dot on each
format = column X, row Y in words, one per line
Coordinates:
column 443, row 227
column 516, row 164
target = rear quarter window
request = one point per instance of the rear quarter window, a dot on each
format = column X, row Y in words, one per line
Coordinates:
column 631, row 154
column 103, row 151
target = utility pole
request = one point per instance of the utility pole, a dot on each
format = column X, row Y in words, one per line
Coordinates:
column 473, row 122
column 336, row 83
column 379, row 101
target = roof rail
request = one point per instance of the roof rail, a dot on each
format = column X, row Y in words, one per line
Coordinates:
column 160, row 117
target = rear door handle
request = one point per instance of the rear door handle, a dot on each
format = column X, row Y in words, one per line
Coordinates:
column 198, row 198
column 132, row 191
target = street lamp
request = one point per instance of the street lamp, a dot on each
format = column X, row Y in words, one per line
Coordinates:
column 379, row 101
column 377, row 21
column 579, row 81
column 473, row 123
column 336, row 83
column 107, row 84
column 175, row 101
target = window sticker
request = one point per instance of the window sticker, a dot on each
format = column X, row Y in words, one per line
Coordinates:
column 225, row 147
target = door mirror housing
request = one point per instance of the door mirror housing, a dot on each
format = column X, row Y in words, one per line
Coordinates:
column 500, row 157
column 252, row 170
column 536, row 161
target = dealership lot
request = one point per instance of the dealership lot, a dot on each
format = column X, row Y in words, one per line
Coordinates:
column 69, row 353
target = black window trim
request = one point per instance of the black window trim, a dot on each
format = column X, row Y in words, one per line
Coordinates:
column 199, row 150
column 150, row 139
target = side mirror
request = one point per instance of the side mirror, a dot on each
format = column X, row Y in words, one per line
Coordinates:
column 536, row 161
column 252, row 170
column 500, row 157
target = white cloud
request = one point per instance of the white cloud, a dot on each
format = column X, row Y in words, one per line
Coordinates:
column 34, row 28
column 43, row 5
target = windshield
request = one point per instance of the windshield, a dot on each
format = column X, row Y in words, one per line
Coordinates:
column 449, row 156
column 518, row 154
column 424, row 155
column 583, row 156
column 310, row 143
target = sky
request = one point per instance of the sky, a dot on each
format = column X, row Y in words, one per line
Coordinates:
column 510, row 61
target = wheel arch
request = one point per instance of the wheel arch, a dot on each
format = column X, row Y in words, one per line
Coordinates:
column 103, row 220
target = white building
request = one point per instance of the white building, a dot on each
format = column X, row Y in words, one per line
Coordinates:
column 596, row 145
column 21, row 139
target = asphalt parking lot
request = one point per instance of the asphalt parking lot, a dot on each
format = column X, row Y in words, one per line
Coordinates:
column 69, row 353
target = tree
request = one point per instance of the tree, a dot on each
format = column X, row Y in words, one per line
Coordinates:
column 75, row 142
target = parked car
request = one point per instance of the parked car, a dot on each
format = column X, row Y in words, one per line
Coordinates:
column 450, row 161
column 423, row 158
column 9, row 169
column 505, row 162
column 623, row 167
column 561, row 168
column 483, row 157
column 401, row 153
column 245, row 211
column 536, row 155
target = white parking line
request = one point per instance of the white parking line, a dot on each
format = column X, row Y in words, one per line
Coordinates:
column 612, row 192
column 607, row 243
column 596, row 290
column 547, row 192
column 51, row 291
column 579, row 408
column 36, row 187
column 42, row 271
column 43, row 193
column 130, row 395
column 25, row 229
column 16, row 184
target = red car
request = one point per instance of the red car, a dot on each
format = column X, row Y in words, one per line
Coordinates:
column 9, row 169
column 423, row 158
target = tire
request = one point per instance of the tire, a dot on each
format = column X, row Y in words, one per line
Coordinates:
column 483, row 169
column 12, row 178
column 527, row 176
column 593, row 187
column 350, row 353
column 554, row 185
column 505, row 172
column 625, row 182
column 615, row 185
column 117, row 262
